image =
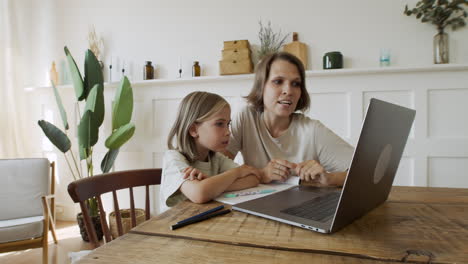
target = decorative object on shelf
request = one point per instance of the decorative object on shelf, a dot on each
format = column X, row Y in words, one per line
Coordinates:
column 196, row 71
column 332, row 60
column 123, row 68
column 54, row 74
column 384, row 58
column 298, row 49
column 91, row 90
column 180, row 67
column 270, row 42
column 110, row 69
column 441, row 13
column 148, row 71
column 236, row 58
column 96, row 45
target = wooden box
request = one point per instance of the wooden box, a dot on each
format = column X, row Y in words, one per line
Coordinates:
column 236, row 54
column 229, row 67
column 236, row 44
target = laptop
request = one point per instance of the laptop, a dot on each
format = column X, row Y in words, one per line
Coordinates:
column 370, row 177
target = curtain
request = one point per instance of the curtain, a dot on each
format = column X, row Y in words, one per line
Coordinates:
column 14, row 142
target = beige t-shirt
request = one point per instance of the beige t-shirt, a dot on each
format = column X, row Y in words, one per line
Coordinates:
column 172, row 177
column 305, row 139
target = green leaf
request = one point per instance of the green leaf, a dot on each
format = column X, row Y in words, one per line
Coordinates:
column 123, row 104
column 55, row 135
column 108, row 160
column 87, row 130
column 76, row 76
column 93, row 71
column 63, row 114
column 120, row 136
column 83, row 152
column 95, row 103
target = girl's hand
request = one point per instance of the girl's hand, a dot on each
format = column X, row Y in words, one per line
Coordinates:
column 191, row 174
column 246, row 170
column 277, row 169
column 311, row 170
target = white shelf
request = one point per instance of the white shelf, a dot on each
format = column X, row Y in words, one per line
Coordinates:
column 314, row 73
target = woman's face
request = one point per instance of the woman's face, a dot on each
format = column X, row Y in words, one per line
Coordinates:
column 282, row 89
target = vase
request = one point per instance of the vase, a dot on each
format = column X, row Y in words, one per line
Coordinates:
column 96, row 223
column 441, row 48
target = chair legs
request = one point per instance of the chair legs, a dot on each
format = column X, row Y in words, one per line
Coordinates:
column 52, row 230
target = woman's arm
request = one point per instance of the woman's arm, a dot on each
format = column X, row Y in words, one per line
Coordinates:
column 207, row 189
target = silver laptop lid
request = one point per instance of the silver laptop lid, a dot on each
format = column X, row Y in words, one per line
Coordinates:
column 380, row 147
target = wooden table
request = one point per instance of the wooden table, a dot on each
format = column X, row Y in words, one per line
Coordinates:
column 416, row 224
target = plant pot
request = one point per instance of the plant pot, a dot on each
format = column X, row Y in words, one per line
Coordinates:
column 126, row 221
column 441, row 48
column 96, row 220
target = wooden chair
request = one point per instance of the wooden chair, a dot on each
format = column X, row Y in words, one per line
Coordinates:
column 83, row 189
column 27, row 185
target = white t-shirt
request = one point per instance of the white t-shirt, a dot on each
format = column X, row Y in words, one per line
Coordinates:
column 305, row 139
column 172, row 177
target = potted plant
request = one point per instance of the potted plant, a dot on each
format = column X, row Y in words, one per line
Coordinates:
column 270, row 42
column 90, row 89
column 441, row 13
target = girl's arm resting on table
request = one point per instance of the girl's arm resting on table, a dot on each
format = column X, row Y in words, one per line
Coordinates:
column 207, row 189
column 244, row 183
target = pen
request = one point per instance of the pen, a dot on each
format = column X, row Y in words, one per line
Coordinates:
column 202, row 214
column 199, row 219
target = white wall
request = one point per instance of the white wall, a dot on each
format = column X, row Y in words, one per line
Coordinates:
column 161, row 31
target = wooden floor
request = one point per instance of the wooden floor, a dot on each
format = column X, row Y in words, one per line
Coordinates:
column 69, row 240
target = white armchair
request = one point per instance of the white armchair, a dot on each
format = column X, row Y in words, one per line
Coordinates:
column 27, row 204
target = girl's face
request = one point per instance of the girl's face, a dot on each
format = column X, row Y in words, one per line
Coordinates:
column 282, row 89
column 213, row 134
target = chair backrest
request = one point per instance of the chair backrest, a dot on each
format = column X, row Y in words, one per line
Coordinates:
column 84, row 189
column 22, row 184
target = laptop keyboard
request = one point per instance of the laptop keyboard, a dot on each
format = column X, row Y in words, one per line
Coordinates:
column 319, row 209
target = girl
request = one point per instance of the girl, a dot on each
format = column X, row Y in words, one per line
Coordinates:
column 194, row 168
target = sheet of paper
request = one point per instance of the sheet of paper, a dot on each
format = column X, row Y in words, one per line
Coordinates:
column 261, row 190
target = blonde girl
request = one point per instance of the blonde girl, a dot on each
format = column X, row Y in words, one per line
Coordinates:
column 193, row 167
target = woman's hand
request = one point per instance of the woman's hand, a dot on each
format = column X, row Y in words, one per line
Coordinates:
column 277, row 169
column 313, row 172
column 310, row 170
column 191, row 173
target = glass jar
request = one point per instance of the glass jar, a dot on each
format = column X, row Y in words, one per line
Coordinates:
column 196, row 69
column 441, row 48
column 333, row 60
column 148, row 72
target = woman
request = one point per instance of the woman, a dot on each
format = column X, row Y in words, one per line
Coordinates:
column 271, row 135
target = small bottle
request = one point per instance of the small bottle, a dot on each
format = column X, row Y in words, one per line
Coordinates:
column 384, row 57
column 195, row 69
column 148, row 73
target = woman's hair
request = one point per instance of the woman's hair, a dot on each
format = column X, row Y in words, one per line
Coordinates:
column 262, row 73
column 195, row 108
